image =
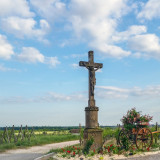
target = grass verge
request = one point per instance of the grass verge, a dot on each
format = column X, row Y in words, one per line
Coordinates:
column 37, row 141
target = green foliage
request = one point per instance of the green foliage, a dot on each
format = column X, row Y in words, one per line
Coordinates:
column 110, row 133
column 38, row 140
column 88, row 146
column 125, row 142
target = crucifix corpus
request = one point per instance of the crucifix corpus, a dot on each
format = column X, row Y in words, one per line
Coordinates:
column 92, row 129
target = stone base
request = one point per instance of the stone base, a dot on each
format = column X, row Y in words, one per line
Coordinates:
column 96, row 133
column 91, row 117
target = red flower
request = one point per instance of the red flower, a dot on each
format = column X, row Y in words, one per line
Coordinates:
column 108, row 149
column 74, row 153
column 111, row 145
column 148, row 149
column 69, row 151
column 94, row 151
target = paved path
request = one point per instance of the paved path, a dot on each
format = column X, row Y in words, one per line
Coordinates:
column 33, row 152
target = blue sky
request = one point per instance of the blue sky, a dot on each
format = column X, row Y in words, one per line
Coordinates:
column 42, row 42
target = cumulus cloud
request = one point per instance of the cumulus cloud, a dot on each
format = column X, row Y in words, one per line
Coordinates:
column 32, row 55
column 137, row 92
column 111, row 50
column 25, row 27
column 130, row 32
column 6, row 49
column 97, row 22
column 150, row 10
column 147, row 45
column 16, row 7
column 49, row 9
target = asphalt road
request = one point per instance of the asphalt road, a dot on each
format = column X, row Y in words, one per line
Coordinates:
column 20, row 156
column 33, row 152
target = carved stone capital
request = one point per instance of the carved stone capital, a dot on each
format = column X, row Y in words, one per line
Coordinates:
column 91, row 109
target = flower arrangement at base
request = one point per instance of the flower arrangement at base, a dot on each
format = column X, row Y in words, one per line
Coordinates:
column 133, row 119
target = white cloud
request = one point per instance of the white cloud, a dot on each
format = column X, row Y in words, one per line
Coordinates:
column 49, row 9
column 147, row 45
column 25, row 27
column 50, row 97
column 32, row 55
column 52, row 61
column 102, row 92
column 16, row 8
column 130, row 32
column 111, row 92
column 96, row 21
column 111, row 50
column 137, row 92
column 6, row 49
column 6, row 69
column 150, row 10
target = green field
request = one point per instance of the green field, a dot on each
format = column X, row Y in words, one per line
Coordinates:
column 38, row 140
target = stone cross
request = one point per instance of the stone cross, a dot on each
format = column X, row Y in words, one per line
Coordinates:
column 92, row 129
column 92, row 68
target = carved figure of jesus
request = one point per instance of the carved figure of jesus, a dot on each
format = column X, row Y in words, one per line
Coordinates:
column 92, row 68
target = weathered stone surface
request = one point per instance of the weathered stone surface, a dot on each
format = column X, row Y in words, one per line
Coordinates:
column 92, row 68
column 91, row 117
column 96, row 134
column 91, row 124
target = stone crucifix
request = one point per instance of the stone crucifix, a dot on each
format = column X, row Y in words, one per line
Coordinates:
column 92, row 129
column 92, row 68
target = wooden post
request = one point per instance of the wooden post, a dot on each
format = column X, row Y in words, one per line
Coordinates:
column 5, row 135
column 20, row 134
column 12, row 134
column 26, row 133
column 80, row 140
column 156, row 127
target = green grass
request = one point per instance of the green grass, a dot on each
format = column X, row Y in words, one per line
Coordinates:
column 38, row 140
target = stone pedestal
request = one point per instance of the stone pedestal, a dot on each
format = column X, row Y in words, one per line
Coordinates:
column 91, row 117
column 96, row 134
column 91, row 130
